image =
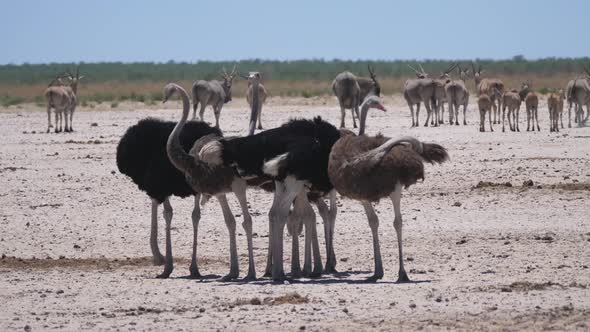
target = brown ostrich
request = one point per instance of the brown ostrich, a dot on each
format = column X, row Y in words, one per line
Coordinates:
column 212, row 181
column 368, row 169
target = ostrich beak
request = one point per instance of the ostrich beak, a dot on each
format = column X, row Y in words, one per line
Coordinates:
column 381, row 107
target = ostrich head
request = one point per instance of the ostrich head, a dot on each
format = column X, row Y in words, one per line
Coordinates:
column 169, row 91
column 373, row 101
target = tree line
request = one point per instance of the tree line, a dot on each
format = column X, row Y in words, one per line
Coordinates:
column 315, row 69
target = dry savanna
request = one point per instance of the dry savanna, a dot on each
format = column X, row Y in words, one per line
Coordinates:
column 496, row 238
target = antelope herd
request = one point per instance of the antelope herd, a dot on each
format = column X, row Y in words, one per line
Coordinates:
column 350, row 90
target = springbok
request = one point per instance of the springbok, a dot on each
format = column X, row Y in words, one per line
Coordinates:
column 511, row 100
column 531, row 102
column 440, row 92
column 555, row 105
column 487, row 85
column 420, row 90
column 352, row 90
column 214, row 93
column 457, row 95
column 62, row 98
column 578, row 94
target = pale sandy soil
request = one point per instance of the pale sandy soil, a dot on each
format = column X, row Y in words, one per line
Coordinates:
column 74, row 235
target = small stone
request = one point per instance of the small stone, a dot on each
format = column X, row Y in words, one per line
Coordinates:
column 76, row 246
column 528, row 183
column 27, row 328
column 201, row 310
column 59, row 291
column 344, row 259
column 345, row 310
column 94, row 124
column 302, row 328
column 412, row 304
column 457, row 204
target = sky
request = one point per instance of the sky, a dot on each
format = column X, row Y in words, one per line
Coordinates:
column 130, row 31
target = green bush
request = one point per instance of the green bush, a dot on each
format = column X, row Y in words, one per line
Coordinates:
column 114, row 104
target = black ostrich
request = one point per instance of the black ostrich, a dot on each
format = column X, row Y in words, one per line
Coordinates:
column 294, row 155
column 141, row 155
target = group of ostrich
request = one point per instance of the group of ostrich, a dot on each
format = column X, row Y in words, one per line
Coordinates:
column 302, row 162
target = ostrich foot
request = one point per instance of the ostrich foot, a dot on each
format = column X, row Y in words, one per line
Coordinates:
column 375, row 277
column 194, row 272
column 330, row 270
column 166, row 273
column 229, row 277
column 249, row 277
column 403, row 277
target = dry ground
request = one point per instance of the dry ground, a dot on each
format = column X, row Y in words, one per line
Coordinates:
column 486, row 256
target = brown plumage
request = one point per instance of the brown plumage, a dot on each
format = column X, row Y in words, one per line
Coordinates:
column 210, row 180
column 370, row 168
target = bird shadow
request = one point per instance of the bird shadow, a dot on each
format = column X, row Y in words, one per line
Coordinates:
column 327, row 279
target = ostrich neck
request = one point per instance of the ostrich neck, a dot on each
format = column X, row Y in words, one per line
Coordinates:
column 254, row 110
column 175, row 151
column 364, row 111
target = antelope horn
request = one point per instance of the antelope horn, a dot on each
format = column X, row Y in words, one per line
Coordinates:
column 414, row 69
column 223, row 70
column 453, row 66
column 423, row 72
column 371, row 71
column 233, row 71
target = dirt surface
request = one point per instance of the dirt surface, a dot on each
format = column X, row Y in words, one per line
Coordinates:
column 496, row 239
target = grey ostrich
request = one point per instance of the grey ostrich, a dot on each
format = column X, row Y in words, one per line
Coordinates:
column 213, row 181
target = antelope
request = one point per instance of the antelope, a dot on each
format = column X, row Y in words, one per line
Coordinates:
column 555, row 105
column 440, row 92
column 62, row 98
column 420, row 90
column 511, row 100
column 531, row 102
column 578, row 94
column 261, row 93
column 486, row 85
column 457, row 95
column 352, row 90
column 214, row 93
column 484, row 102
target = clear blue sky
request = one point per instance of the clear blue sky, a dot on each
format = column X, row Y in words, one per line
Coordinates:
column 118, row 30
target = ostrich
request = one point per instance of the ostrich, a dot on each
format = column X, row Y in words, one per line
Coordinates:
column 294, row 155
column 141, row 155
column 370, row 168
column 212, row 181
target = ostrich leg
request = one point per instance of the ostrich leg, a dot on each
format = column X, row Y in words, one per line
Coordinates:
column 157, row 257
column 169, row 264
column 285, row 193
column 374, row 224
column 230, row 222
column 239, row 189
column 196, row 217
column 396, row 197
column 294, row 226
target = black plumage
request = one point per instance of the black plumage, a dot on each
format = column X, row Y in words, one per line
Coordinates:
column 141, row 155
column 307, row 142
